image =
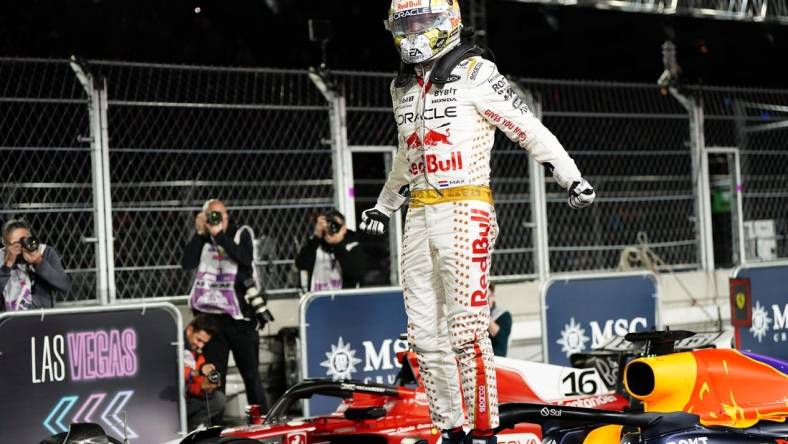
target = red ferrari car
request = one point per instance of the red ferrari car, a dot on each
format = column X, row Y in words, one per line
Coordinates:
column 398, row 414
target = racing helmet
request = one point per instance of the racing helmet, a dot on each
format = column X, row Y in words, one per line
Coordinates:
column 424, row 30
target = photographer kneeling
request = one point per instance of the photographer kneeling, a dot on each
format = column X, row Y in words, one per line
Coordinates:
column 31, row 272
column 204, row 403
column 332, row 256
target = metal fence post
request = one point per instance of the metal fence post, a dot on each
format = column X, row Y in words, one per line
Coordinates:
column 100, row 86
column 395, row 237
column 700, row 178
column 538, row 195
column 342, row 159
column 100, row 172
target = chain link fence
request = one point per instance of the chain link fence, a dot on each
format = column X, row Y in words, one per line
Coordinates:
column 631, row 143
column 180, row 135
column 46, row 163
column 260, row 139
column 513, row 256
column 755, row 121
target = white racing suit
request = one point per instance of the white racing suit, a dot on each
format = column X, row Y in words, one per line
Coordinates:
column 445, row 137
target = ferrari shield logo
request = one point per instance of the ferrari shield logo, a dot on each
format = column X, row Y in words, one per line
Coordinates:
column 296, row 438
column 741, row 299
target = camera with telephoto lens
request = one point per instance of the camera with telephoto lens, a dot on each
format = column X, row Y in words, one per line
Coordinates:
column 30, row 244
column 214, row 218
column 258, row 302
column 214, row 377
column 333, row 223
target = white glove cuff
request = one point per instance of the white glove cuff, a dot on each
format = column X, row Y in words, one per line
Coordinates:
column 568, row 187
column 389, row 202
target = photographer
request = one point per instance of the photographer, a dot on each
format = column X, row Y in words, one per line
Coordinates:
column 223, row 255
column 31, row 272
column 204, row 403
column 332, row 256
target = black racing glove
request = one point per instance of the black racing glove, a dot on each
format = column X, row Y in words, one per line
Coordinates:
column 374, row 221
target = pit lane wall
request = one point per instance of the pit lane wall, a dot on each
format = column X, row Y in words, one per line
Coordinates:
column 688, row 300
column 119, row 367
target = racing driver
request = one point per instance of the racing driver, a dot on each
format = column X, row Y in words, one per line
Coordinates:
column 447, row 101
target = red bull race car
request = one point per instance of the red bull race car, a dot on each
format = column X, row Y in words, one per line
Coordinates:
column 707, row 396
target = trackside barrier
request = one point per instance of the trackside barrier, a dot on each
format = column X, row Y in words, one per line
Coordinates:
column 351, row 335
column 119, row 367
column 580, row 312
column 768, row 334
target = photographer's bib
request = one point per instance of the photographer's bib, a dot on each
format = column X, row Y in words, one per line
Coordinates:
column 327, row 274
column 214, row 286
column 18, row 291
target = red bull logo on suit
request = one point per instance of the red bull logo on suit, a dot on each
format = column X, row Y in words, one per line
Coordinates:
column 432, row 138
column 433, row 165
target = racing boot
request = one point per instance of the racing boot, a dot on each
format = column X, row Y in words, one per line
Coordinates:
column 453, row 436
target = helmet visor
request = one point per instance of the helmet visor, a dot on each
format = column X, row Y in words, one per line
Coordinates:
column 403, row 24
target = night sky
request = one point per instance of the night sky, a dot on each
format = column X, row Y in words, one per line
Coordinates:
column 528, row 40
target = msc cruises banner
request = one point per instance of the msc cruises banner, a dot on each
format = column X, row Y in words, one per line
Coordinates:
column 768, row 334
column 580, row 313
column 351, row 335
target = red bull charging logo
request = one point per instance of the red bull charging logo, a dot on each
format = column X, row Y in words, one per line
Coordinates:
column 432, row 138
